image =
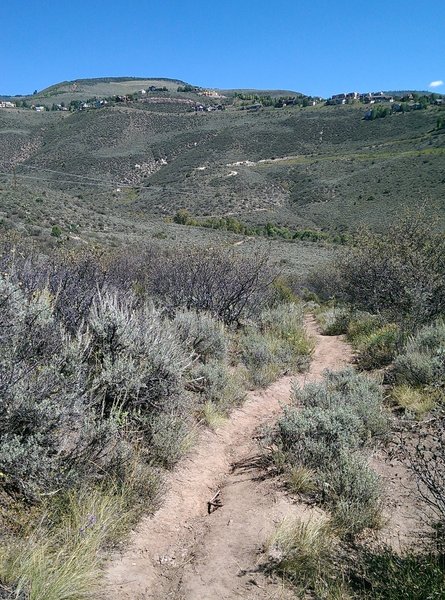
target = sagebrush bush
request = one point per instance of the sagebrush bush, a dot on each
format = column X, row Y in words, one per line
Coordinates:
column 218, row 384
column 422, row 361
column 137, row 361
column 280, row 347
column 349, row 389
column 169, row 436
column 315, row 437
column 338, row 417
column 42, row 390
column 355, row 495
column 258, row 354
column 204, row 334
column 284, row 320
column 334, row 321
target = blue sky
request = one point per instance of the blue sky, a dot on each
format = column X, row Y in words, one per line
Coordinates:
column 316, row 47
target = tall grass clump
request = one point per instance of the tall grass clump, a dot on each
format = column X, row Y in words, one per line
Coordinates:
column 415, row 401
column 378, row 348
column 383, row 574
column 60, row 558
column 302, row 552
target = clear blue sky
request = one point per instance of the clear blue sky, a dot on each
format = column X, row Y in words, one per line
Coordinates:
column 318, row 47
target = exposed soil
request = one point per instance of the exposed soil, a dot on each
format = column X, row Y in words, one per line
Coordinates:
column 185, row 553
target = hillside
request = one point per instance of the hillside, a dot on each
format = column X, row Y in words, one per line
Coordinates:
column 120, row 168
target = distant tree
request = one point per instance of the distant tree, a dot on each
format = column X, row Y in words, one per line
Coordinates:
column 56, row 231
column 182, row 217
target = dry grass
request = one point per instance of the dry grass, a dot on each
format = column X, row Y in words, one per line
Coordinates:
column 301, row 550
column 414, row 400
column 212, row 416
column 301, row 480
column 64, row 561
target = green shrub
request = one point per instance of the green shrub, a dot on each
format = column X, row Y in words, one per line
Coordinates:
column 422, row 362
column 334, row 321
column 349, row 389
column 383, row 574
column 355, row 495
column 362, row 324
column 378, row 349
column 56, row 231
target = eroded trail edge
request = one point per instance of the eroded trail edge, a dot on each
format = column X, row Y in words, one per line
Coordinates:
column 184, row 553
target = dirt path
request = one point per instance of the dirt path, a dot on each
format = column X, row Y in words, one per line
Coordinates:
column 183, row 553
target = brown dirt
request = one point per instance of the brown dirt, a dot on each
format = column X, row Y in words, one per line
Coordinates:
column 182, row 552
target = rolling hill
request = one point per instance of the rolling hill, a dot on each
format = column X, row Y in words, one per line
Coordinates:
column 120, row 170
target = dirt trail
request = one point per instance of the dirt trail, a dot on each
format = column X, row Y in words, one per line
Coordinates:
column 183, row 553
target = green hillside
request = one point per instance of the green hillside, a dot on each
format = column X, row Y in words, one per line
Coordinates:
column 118, row 169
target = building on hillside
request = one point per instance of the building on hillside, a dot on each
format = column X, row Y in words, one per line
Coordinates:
column 336, row 99
column 5, row 104
column 380, row 97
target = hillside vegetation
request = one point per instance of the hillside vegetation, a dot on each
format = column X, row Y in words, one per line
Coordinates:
column 143, row 159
